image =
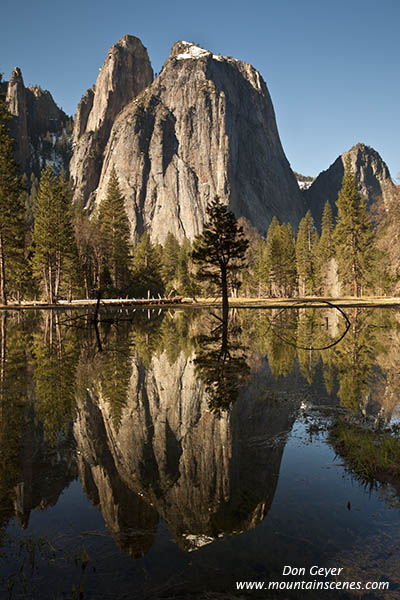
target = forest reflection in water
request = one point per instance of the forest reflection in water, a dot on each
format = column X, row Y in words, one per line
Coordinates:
column 174, row 416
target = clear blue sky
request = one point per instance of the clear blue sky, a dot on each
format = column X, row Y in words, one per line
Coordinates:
column 332, row 68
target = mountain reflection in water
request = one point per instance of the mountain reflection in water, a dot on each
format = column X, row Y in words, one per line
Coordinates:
column 167, row 418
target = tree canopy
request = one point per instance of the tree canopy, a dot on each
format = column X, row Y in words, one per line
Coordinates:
column 114, row 225
column 54, row 254
column 353, row 234
column 220, row 250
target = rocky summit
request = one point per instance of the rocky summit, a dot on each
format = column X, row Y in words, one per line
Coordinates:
column 204, row 127
column 124, row 74
column 372, row 176
column 36, row 123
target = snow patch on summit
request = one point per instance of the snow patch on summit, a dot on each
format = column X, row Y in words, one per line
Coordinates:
column 193, row 51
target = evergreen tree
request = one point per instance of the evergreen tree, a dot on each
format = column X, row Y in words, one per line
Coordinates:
column 170, row 261
column 185, row 284
column 353, row 234
column 147, row 268
column 280, row 259
column 288, row 278
column 254, row 280
column 185, row 280
column 91, row 250
column 54, row 254
column 12, row 210
column 387, row 239
column 220, row 249
column 114, row 226
column 272, row 256
column 306, row 255
column 31, row 199
column 326, row 248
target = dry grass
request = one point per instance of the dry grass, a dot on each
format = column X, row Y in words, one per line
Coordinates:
column 372, row 455
column 242, row 302
column 311, row 302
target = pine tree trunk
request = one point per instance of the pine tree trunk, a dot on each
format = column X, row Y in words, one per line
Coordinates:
column 50, row 286
column 3, row 347
column 57, row 277
column 3, row 295
column 224, row 347
column 85, row 282
column 224, row 290
column 355, row 286
column 354, row 265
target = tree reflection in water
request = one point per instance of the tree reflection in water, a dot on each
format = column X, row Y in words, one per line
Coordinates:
column 221, row 364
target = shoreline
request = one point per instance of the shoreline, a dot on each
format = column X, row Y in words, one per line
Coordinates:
column 265, row 303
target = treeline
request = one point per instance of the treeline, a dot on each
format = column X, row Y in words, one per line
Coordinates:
column 346, row 258
column 55, row 250
column 301, row 177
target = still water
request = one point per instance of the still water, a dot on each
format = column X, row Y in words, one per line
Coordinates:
column 163, row 455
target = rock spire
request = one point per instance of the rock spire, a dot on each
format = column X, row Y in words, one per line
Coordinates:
column 125, row 73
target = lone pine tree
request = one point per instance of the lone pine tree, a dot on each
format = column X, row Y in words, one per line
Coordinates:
column 12, row 210
column 114, row 225
column 220, row 250
column 353, row 236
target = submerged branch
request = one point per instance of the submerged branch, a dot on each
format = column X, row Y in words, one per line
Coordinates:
column 295, row 345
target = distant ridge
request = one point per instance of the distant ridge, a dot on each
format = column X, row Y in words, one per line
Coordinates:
column 371, row 172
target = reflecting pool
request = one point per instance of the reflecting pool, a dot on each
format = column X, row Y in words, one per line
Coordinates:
column 164, row 454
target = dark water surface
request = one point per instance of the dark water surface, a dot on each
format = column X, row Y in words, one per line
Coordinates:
column 162, row 456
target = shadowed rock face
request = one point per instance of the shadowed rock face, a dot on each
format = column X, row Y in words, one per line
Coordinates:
column 124, row 74
column 372, row 176
column 132, row 521
column 34, row 115
column 170, row 456
column 44, row 470
column 205, row 127
column 43, row 113
column 16, row 100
